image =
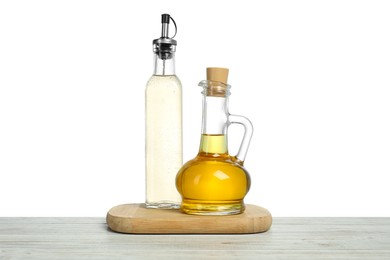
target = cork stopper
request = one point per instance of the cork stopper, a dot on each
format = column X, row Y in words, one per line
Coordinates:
column 218, row 74
column 216, row 83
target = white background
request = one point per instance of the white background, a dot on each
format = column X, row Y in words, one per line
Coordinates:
column 313, row 77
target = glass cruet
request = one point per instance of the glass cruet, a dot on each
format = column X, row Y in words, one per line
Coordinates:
column 163, row 124
column 215, row 182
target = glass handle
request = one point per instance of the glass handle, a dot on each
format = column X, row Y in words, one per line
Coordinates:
column 234, row 119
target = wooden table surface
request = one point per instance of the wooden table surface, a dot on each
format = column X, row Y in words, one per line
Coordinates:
column 288, row 238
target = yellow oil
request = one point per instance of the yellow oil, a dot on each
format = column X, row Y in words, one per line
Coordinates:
column 213, row 183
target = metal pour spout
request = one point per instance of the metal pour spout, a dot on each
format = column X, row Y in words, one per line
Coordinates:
column 164, row 46
column 165, row 25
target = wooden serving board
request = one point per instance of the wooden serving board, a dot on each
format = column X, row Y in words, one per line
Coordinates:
column 136, row 219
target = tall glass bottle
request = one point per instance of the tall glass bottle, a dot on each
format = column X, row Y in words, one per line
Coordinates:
column 163, row 97
column 214, row 182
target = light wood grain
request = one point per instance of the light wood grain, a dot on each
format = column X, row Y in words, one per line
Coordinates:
column 136, row 219
column 288, row 238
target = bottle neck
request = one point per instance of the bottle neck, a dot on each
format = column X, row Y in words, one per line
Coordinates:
column 215, row 115
column 214, row 126
column 164, row 67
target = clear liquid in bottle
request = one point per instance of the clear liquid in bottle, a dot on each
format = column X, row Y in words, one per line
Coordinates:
column 163, row 140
